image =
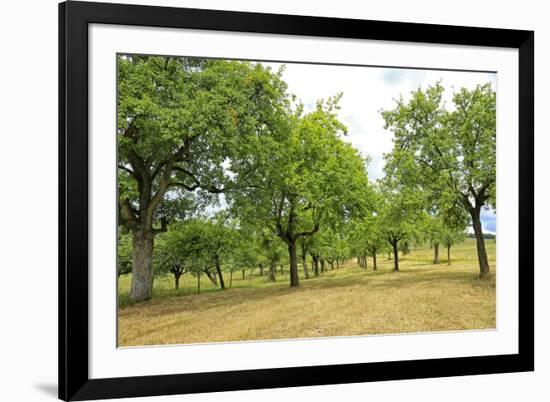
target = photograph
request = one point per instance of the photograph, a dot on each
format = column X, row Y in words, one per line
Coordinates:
column 276, row 200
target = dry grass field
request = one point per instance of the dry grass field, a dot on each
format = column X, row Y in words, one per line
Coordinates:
column 345, row 301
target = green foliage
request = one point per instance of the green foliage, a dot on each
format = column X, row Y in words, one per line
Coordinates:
column 449, row 153
column 181, row 122
column 401, row 213
column 303, row 177
column 124, row 256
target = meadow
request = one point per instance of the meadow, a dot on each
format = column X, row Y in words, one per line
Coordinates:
column 345, row 301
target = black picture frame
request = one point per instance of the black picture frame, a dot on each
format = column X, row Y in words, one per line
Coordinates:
column 74, row 381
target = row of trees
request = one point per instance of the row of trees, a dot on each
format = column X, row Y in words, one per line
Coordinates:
column 218, row 247
column 221, row 160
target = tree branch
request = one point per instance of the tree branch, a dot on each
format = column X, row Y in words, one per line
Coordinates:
column 128, row 215
column 128, row 170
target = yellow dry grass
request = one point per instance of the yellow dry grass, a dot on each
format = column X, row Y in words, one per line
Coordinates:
column 342, row 302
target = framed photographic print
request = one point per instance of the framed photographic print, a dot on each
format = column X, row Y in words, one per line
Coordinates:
column 258, row 201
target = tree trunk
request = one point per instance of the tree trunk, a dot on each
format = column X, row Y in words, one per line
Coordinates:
column 294, row 281
column 366, row 261
column 304, row 259
column 261, row 269
column 243, row 274
column 282, row 270
column 331, row 265
column 230, row 279
column 219, row 271
column 142, row 268
column 374, row 267
column 199, row 282
column 481, row 251
column 212, row 278
column 323, row 269
column 272, row 268
column 315, row 265
column 176, row 281
column 395, row 257
column 436, row 253
column 448, row 254
column 337, row 263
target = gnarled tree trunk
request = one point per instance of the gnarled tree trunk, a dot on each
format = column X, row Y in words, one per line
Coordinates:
column 142, row 271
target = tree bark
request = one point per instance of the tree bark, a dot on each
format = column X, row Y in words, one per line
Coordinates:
column 142, row 270
column 177, row 281
column 230, row 279
column 294, row 281
column 243, row 274
column 436, row 253
column 219, row 270
column 374, row 267
column 261, row 269
column 323, row 269
column 481, row 251
column 395, row 256
column 199, row 282
column 448, row 254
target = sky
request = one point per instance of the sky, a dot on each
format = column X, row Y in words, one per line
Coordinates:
column 367, row 91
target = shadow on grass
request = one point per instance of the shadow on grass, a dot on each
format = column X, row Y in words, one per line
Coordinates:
column 346, row 277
